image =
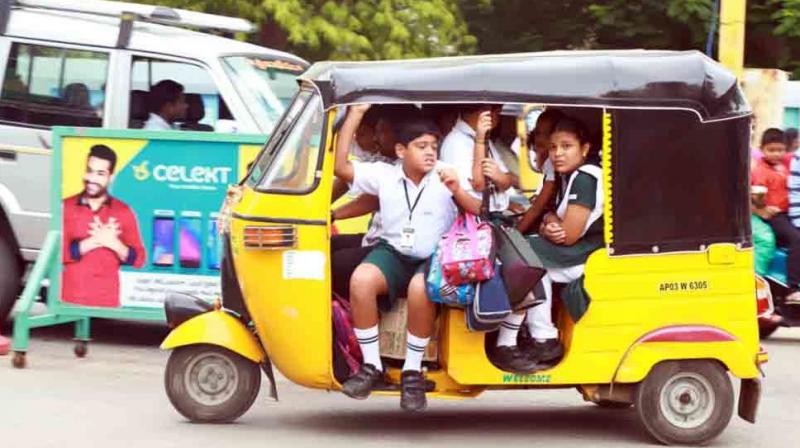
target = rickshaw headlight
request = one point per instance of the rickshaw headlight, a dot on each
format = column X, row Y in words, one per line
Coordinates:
column 763, row 297
column 270, row 237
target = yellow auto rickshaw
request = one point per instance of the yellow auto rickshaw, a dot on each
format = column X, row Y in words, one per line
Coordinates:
column 672, row 311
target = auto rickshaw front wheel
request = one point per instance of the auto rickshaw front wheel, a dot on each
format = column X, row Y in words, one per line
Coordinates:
column 210, row 384
column 685, row 402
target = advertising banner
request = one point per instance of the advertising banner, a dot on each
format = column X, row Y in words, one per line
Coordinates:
column 139, row 213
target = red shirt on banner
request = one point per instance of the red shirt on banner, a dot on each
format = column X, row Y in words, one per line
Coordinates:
column 92, row 279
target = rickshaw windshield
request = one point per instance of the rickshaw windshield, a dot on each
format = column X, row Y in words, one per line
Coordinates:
column 290, row 160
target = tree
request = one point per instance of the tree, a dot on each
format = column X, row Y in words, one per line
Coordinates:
column 505, row 26
column 353, row 29
column 372, row 29
column 772, row 30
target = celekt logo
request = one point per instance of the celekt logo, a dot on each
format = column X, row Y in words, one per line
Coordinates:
column 182, row 173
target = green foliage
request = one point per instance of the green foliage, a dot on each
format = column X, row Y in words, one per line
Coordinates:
column 389, row 29
column 372, row 29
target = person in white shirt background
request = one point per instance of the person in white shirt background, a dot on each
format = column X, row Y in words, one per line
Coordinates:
column 468, row 148
column 167, row 104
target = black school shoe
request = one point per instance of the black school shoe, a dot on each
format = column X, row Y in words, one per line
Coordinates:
column 412, row 391
column 362, row 383
column 544, row 354
column 512, row 359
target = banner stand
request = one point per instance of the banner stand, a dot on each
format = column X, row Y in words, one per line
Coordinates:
column 176, row 178
column 58, row 312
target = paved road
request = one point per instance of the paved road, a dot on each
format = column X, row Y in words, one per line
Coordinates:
column 115, row 398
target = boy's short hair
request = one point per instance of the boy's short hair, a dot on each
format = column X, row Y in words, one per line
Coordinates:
column 165, row 91
column 790, row 135
column 551, row 114
column 105, row 153
column 411, row 128
column 470, row 108
column 772, row 135
column 371, row 117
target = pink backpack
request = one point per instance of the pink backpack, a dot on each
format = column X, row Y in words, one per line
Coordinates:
column 466, row 251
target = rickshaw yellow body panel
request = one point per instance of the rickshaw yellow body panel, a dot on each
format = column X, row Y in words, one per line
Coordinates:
column 216, row 328
column 632, row 297
column 288, row 291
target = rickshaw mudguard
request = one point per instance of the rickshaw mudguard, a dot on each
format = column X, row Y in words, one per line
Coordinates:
column 216, row 328
column 686, row 342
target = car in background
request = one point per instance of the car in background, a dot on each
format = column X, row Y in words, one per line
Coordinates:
column 91, row 64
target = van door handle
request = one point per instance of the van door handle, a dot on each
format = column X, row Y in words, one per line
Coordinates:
column 8, row 155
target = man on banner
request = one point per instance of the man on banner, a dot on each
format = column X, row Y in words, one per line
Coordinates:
column 100, row 235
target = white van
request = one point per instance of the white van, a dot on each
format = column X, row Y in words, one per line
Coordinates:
column 91, row 64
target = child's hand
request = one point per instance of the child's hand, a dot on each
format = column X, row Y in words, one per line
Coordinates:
column 360, row 109
column 491, row 169
column 449, row 178
column 770, row 211
column 555, row 233
column 484, row 125
column 550, row 217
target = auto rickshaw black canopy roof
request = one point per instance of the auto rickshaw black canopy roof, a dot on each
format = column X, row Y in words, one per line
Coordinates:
column 621, row 78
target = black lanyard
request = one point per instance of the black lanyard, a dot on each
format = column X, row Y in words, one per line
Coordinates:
column 408, row 201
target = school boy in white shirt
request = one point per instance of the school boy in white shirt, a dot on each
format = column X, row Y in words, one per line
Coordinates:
column 469, row 150
column 416, row 203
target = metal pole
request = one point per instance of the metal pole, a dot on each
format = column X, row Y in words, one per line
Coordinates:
column 731, row 35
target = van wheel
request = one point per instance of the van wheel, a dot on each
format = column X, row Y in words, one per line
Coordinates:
column 685, row 402
column 210, row 384
column 10, row 276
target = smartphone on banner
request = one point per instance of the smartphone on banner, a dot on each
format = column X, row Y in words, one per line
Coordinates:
column 189, row 243
column 213, row 246
column 163, row 242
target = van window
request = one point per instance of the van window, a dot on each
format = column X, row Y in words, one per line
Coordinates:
column 266, row 86
column 202, row 96
column 49, row 86
column 296, row 148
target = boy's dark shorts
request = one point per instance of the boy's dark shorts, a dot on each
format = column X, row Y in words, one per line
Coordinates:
column 397, row 269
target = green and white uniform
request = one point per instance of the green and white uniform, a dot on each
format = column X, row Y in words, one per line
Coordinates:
column 565, row 264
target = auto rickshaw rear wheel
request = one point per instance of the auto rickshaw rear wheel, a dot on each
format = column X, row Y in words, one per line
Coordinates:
column 211, row 384
column 685, row 402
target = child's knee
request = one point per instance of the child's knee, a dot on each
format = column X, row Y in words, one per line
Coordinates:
column 416, row 288
column 366, row 279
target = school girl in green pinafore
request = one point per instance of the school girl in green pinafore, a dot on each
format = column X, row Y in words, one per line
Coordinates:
column 568, row 236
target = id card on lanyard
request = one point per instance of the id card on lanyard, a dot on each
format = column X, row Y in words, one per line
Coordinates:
column 407, row 235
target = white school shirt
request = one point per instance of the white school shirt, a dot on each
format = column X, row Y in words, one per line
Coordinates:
column 156, row 123
column 458, row 149
column 374, row 230
column 432, row 217
column 547, row 169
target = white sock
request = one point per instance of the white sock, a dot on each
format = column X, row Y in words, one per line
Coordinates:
column 368, row 341
column 509, row 329
column 415, row 350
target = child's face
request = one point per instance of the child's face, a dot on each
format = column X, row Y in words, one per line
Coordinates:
column 566, row 151
column 365, row 137
column 384, row 137
column 541, row 135
column 420, row 154
column 773, row 152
